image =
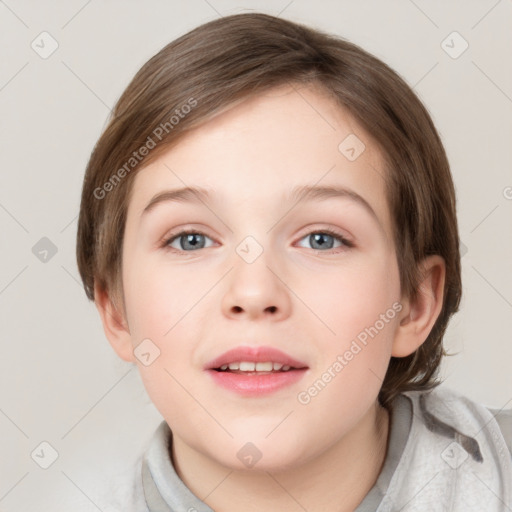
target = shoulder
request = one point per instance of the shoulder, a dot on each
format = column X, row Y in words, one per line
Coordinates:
column 444, row 409
column 456, row 453
column 504, row 419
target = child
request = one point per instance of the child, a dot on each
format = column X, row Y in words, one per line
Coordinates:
column 290, row 376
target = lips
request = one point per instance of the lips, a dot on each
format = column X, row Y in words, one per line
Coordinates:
column 254, row 355
column 255, row 371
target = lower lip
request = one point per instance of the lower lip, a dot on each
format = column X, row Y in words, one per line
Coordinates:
column 256, row 385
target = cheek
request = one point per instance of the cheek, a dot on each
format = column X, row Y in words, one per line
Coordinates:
column 157, row 296
column 160, row 305
column 163, row 304
column 358, row 307
column 353, row 298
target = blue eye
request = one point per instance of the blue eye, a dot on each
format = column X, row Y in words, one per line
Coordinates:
column 325, row 238
column 187, row 240
column 191, row 240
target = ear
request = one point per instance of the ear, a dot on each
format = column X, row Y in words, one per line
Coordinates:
column 114, row 324
column 417, row 318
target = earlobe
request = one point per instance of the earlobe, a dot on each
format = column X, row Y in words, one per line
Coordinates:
column 114, row 325
column 419, row 316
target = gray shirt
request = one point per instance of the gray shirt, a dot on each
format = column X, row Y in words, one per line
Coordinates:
column 445, row 452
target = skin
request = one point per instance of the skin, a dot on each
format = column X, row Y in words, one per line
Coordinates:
column 307, row 301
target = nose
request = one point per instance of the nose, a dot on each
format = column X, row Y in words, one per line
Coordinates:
column 256, row 291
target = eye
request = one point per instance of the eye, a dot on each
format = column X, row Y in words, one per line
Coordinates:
column 324, row 239
column 186, row 240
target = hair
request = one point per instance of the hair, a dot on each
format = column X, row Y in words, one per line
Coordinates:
column 229, row 59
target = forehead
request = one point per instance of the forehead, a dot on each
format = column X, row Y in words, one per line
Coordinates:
column 253, row 154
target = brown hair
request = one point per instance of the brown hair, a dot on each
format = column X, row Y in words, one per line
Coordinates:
column 231, row 58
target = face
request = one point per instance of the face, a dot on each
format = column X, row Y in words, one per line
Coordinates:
column 263, row 269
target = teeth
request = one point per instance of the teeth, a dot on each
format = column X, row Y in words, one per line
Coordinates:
column 249, row 366
column 264, row 367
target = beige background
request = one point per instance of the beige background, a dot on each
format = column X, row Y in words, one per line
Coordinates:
column 61, row 382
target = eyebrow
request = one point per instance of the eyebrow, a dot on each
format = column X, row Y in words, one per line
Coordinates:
column 300, row 193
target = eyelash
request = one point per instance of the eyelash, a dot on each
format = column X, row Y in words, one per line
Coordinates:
column 168, row 239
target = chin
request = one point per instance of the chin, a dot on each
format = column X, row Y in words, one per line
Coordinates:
column 263, row 462
column 258, row 452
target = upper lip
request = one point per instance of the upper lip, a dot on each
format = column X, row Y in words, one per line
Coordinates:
column 256, row 355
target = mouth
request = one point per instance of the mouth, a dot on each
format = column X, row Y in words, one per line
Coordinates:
column 255, row 368
column 254, row 371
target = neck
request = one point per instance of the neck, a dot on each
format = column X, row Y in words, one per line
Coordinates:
column 336, row 480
